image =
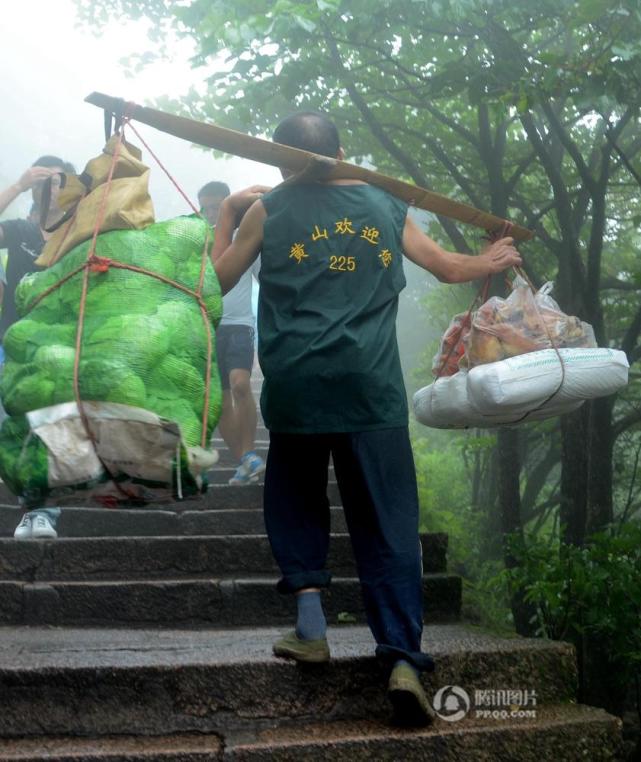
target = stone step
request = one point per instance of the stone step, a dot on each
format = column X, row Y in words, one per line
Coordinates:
column 226, row 601
column 109, row 558
column 261, row 440
column 218, row 496
column 152, row 682
column 222, row 475
column 567, row 732
column 148, row 522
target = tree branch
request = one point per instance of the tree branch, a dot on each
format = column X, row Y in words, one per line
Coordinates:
column 394, row 150
column 624, row 159
column 569, row 145
column 625, row 423
column 614, row 284
column 563, row 205
column 533, row 222
column 498, row 203
column 442, row 156
column 512, row 180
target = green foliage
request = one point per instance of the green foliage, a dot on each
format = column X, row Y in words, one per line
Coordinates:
column 486, row 599
column 445, row 487
column 594, row 590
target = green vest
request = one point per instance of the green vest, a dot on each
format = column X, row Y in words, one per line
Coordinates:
column 331, row 272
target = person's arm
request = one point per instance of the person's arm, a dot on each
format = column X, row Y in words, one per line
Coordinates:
column 243, row 250
column 27, row 180
column 451, row 267
column 230, row 214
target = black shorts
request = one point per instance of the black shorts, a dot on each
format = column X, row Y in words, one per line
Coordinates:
column 234, row 349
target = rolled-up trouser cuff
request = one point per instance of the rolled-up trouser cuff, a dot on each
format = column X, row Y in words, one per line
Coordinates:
column 290, row 583
column 390, row 654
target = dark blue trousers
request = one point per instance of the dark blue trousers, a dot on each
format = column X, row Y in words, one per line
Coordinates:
column 377, row 482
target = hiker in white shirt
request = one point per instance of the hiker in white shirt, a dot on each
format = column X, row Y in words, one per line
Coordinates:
column 235, row 353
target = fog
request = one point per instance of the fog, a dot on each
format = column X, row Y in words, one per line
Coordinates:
column 49, row 65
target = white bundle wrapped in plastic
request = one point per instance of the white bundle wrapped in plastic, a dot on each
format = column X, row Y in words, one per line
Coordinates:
column 527, row 387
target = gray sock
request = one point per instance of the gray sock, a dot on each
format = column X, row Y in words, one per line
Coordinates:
column 311, row 624
column 409, row 664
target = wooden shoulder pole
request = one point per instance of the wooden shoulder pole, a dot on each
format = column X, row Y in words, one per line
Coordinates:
column 297, row 161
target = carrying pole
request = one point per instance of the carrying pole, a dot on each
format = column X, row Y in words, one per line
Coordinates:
column 306, row 166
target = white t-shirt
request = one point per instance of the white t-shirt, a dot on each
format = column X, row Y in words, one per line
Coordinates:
column 237, row 303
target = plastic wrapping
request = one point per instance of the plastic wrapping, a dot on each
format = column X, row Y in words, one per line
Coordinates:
column 524, row 322
column 450, row 356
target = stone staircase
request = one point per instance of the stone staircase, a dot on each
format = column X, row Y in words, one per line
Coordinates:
column 145, row 634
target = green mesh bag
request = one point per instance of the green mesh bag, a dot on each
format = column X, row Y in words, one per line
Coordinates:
column 144, row 345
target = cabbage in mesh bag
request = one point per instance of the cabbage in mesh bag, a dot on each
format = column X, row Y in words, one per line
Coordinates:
column 144, row 341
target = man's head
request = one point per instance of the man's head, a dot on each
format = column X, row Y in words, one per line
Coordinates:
column 210, row 197
column 309, row 131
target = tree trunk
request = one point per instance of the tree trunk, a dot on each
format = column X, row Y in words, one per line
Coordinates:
column 486, row 503
column 574, row 476
column 600, row 444
column 510, row 511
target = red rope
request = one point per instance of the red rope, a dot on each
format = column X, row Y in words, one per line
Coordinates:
column 97, row 264
column 480, row 297
column 164, row 169
column 56, row 285
column 505, row 231
column 203, row 309
column 81, row 316
column 102, row 264
column 203, row 312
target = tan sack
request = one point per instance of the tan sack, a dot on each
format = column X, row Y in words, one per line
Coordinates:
column 128, row 204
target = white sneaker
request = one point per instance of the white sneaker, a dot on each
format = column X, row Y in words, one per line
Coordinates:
column 42, row 527
column 24, row 528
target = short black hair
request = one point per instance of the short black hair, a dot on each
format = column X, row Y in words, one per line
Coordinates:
column 309, row 131
column 214, row 188
column 50, row 161
column 55, row 161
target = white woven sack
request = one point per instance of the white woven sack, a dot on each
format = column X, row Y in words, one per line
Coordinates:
column 517, row 390
column 525, row 382
column 445, row 404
